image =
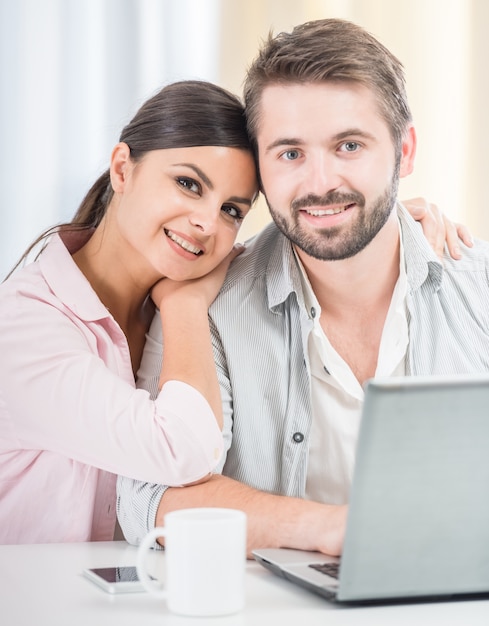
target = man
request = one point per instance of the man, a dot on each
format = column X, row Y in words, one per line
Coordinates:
column 341, row 287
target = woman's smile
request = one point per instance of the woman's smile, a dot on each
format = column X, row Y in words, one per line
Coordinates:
column 183, row 243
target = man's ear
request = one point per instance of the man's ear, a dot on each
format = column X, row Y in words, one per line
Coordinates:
column 119, row 166
column 408, row 152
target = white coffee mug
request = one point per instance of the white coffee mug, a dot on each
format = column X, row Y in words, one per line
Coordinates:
column 205, row 559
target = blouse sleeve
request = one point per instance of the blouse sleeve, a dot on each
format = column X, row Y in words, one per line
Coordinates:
column 65, row 388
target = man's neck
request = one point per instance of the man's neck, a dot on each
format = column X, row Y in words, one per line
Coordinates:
column 362, row 280
column 355, row 295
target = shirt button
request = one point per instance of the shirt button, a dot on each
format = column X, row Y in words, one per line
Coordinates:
column 313, row 312
column 298, row 437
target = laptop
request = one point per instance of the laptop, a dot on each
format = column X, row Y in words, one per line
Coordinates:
column 418, row 517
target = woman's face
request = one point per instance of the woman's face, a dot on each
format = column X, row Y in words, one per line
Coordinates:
column 177, row 211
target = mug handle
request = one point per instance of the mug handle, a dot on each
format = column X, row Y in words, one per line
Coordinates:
column 152, row 586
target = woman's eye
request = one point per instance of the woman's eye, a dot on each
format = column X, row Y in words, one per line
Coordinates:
column 189, row 183
column 233, row 212
column 291, row 155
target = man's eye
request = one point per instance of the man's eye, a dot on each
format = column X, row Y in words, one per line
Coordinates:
column 232, row 211
column 291, row 155
column 189, row 183
column 351, row 146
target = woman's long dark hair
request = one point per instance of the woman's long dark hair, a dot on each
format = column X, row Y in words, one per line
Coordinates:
column 181, row 115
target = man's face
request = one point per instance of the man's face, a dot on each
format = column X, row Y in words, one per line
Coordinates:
column 328, row 166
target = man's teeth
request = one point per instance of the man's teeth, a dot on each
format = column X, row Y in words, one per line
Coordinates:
column 184, row 244
column 320, row 212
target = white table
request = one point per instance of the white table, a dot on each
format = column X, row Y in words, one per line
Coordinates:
column 42, row 585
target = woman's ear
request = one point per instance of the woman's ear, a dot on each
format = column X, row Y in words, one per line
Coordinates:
column 408, row 152
column 119, row 166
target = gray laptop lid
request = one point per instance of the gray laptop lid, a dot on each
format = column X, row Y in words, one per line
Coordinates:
column 418, row 521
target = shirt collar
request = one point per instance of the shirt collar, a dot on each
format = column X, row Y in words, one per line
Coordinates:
column 285, row 274
column 422, row 264
column 312, row 303
column 65, row 278
column 283, row 277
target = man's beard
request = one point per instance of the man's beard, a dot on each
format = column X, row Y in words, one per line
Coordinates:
column 330, row 244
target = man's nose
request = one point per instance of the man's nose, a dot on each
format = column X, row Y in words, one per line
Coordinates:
column 323, row 174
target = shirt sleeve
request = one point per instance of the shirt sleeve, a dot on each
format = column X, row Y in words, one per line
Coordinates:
column 138, row 501
column 137, row 505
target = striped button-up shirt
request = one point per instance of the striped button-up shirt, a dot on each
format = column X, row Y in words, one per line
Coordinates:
column 260, row 330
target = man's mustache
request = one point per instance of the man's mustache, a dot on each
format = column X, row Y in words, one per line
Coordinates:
column 332, row 197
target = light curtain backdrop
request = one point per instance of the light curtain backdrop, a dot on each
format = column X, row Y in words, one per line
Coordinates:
column 73, row 72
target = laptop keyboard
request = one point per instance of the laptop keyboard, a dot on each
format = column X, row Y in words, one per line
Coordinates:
column 330, row 569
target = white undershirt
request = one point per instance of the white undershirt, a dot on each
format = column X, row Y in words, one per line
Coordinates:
column 337, row 396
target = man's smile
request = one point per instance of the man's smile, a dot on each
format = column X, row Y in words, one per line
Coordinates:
column 328, row 211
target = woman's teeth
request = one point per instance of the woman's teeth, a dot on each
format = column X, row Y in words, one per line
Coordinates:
column 183, row 243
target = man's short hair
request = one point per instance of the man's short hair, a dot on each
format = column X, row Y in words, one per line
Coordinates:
column 329, row 50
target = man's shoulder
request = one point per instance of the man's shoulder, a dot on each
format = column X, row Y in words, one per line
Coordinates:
column 420, row 255
column 480, row 247
column 475, row 258
column 258, row 259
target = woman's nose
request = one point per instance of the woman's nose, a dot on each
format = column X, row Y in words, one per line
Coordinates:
column 205, row 219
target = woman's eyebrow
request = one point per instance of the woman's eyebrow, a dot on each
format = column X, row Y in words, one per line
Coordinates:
column 209, row 184
column 240, row 200
column 199, row 173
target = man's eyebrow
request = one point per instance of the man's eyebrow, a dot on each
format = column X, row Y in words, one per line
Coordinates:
column 353, row 132
column 284, row 141
column 295, row 141
column 199, row 173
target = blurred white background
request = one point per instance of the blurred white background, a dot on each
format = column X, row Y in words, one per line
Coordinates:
column 73, row 72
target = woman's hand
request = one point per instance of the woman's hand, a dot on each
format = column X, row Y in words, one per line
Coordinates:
column 437, row 228
column 207, row 287
column 188, row 355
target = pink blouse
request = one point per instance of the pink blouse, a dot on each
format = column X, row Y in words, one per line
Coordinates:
column 71, row 418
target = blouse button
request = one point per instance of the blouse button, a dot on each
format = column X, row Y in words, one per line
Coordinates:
column 298, row 437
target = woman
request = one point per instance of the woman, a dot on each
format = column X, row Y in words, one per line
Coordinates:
column 73, row 323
